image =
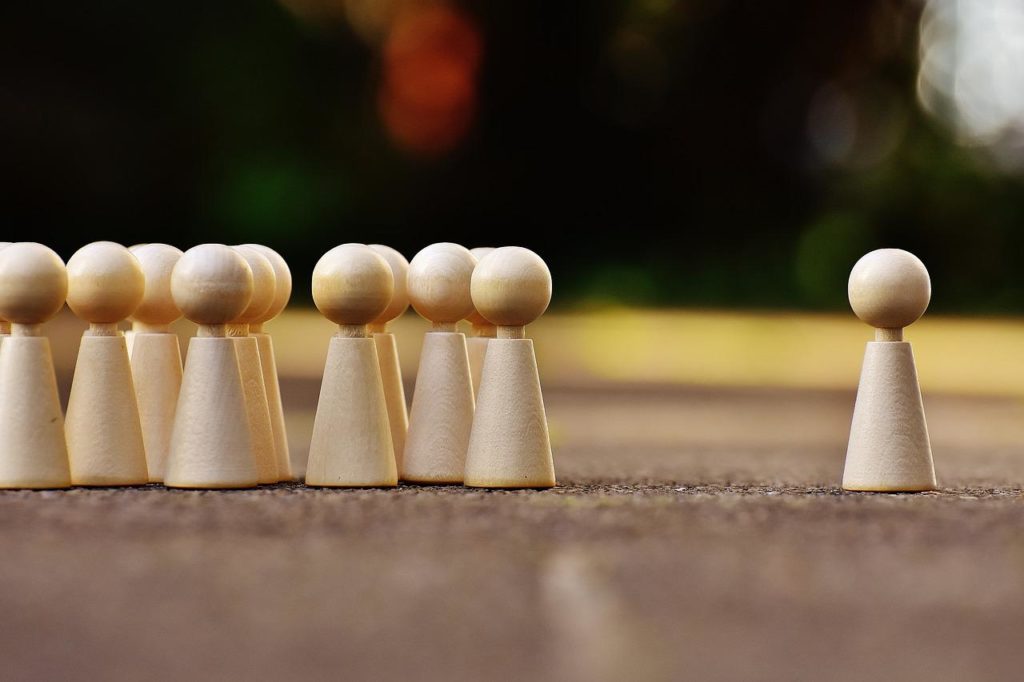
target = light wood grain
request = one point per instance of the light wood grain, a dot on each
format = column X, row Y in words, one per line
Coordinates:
column 394, row 392
column 156, row 371
column 272, row 384
column 442, row 412
column 510, row 446
column 351, row 444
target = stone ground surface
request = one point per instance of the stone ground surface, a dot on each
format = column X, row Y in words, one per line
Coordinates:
column 697, row 534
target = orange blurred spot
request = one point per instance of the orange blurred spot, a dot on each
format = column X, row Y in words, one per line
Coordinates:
column 428, row 95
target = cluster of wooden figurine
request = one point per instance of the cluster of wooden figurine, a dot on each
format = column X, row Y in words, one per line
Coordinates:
column 135, row 416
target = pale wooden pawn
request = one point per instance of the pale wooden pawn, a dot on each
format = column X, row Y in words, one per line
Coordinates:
column 387, row 350
column 442, row 404
column 282, row 292
column 104, row 433
column 480, row 332
column 33, row 288
column 156, row 354
column 351, row 445
column 510, row 446
column 211, row 444
column 264, row 289
column 889, row 448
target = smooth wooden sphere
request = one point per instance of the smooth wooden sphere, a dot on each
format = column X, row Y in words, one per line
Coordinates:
column 475, row 318
column 438, row 282
column 400, row 270
column 889, row 288
column 105, row 283
column 352, row 284
column 511, row 286
column 33, row 283
column 157, row 261
column 264, row 285
column 211, row 284
column 282, row 283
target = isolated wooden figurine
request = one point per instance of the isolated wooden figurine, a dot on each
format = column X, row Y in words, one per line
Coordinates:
column 104, row 434
column 387, row 350
column 33, row 452
column 442, row 402
column 156, row 354
column 282, row 292
column 351, row 446
column 480, row 332
column 510, row 447
column 211, row 445
column 264, row 288
column 889, row 450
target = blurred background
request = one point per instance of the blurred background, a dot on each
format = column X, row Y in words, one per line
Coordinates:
column 656, row 152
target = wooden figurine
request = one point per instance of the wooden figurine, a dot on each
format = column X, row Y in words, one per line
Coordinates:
column 211, row 445
column 889, row 450
column 442, row 403
column 33, row 287
column 387, row 350
column 509, row 446
column 156, row 354
column 104, row 433
column 351, row 446
column 264, row 289
column 480, row 332
column 282, row 292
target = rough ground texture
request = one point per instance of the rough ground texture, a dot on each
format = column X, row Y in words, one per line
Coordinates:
column 696, row 535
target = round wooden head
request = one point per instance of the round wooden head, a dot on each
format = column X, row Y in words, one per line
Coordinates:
column 33, row 283
column 475, row 318
column 105, row 283
column 157, row 261
column 264, row 285
column 3, row 322
column 282, row 283
column 352, row 285
column 211, row 284
column 511, row 286
column 438, row 282
column 889, row 288
column 399, row 270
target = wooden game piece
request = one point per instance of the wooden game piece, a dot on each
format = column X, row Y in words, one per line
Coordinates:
column 104, row 433
column 387, row 350
column 351, row 446
column 480, row 332
column 211, row 445
column 442, row 402
column 33, row 287
column 509, row 446
column 889, row 449
column 156, row 354
column 282, row 292
column 264, row 290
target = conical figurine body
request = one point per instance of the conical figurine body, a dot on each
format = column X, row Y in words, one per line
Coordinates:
column 889, row 450
column 33, row 451
column 351, row 446
column 156, row 354
column 271, row 382
column 104, row 435
column 211, row 445
column 5, row 326
column 480, row 332
column 442, row 402
column 510, row 447
column 387, row 350
column 264, row 288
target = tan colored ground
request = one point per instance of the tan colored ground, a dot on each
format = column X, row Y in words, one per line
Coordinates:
column 698, row 534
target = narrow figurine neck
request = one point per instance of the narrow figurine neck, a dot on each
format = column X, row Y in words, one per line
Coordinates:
column 352, row 331
column 512, row 332
column 26, row 329
column 212, row 330
column 96, row 329
column 483, row 331
column 448, row 327
column 888, row 335
column 144, row 328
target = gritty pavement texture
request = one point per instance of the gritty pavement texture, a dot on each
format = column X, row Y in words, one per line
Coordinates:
column 696, row 534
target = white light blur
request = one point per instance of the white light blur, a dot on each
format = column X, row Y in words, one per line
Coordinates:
column 971, row 73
